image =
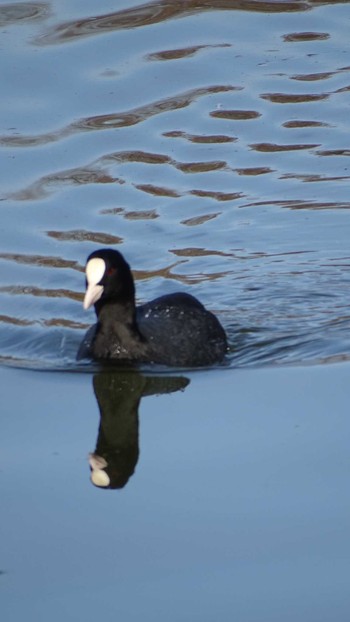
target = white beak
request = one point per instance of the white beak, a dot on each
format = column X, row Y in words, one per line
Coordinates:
column 92, row 294
column 95, row 270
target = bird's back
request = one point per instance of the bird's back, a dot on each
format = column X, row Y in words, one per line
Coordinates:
column 181, row 332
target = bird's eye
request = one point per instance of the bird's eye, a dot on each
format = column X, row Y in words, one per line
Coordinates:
column 110, row 271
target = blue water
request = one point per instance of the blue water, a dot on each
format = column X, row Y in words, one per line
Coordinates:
column 237, row 507
column 208, row 142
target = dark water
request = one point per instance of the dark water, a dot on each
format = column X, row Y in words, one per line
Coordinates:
column 206, row 140
column 209, row 142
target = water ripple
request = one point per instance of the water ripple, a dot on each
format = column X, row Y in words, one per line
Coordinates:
column 16, row 13
column 118, row 119
column 97, row 173
column 166, row 55
column 80, row 235
column 140, row 140
column 155, row 13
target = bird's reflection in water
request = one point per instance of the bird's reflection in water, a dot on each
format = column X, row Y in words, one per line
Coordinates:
column 118, row 396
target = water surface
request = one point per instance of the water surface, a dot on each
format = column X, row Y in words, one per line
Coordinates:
column 237, row 507
column 207, row 141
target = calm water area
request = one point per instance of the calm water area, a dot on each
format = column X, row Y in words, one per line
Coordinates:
column 208, row 141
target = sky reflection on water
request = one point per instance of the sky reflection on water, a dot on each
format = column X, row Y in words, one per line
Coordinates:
column 238, row 503
column 178, row 137
column 208, row 141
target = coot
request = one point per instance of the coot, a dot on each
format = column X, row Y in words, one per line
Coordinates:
column 174, row 329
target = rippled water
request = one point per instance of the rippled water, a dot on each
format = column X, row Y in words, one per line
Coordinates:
column 208, row 141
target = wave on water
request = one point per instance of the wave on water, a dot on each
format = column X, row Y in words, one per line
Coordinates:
column 49, row 348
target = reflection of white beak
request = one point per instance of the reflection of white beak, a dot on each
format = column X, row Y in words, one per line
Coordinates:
column 98, row 476
column 92, row 294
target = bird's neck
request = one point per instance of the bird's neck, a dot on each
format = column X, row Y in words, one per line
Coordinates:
column 118, row 319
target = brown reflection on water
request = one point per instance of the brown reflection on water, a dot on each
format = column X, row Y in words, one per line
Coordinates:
column 218, row 196
column 299, row 204
column 80, row 235
column 146, row 157
column 117, row 119
column 150, row 214
column 182, row 52
column 64, row 323
column 197, row 138
column 42, row 261
column 14, row 13
column 96, row 172
column 299, row 124
column 30, row 290
column 137, row 115
column 236, row 254
column 15, row 321
column 198, row 252
column 313, row 178
column 254, row 170
column 344, row 89
column 313, row 77
column 235, row 115
column 241, row 255
column 58, row 322
column 73, row 177
column 271, row 147
column 199, row 220
column 158, row 191
column 156, row 12
column 156, row 158
column 306, row 36
column 168, row 273
column 333, row 152
column 141, row 215
column 293, row 98
column 201, row 167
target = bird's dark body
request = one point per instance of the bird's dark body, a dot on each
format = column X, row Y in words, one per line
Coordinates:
column 174, row 330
